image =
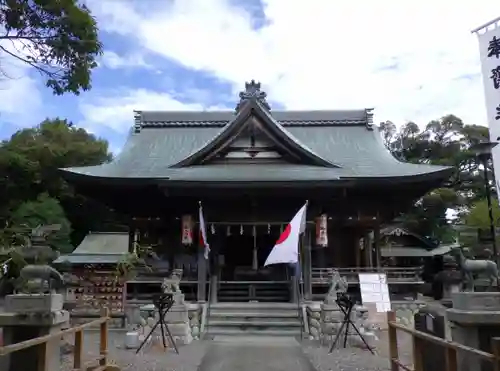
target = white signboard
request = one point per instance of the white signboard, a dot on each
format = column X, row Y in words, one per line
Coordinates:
column 374, row 290
column 489, row 51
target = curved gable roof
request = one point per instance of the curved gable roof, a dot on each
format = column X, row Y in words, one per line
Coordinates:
column 280, row 135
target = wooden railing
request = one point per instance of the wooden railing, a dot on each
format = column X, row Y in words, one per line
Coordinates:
column 98, row 364
column 395, row 275
column 450, row 348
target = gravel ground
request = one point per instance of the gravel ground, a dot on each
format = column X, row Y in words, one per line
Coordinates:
column 356, row 359
column 152, row 358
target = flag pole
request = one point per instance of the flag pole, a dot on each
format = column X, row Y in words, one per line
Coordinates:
column 300, row 281
column 208, row 273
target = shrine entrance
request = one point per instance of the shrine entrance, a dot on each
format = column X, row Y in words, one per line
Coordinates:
column 243, row 276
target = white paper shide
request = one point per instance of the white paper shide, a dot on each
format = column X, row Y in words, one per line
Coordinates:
column 489, row 51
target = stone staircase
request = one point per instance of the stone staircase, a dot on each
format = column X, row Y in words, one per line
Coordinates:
column 253, row 319
column 247, row 291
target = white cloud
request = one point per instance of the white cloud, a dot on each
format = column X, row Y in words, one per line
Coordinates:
column 329, row 53
column 116, row 111
column 112, row 60
column 17, row 90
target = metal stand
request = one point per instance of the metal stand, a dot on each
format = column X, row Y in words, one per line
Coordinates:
column 346, row 305
column 163, row 303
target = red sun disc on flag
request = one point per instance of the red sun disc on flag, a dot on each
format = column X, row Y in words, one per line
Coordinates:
column 284, row 235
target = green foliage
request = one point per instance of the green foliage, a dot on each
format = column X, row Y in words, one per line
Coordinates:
column 58, row 38
column 30, row 161
column 443, row 142
column 478, row 217
column 44, row 211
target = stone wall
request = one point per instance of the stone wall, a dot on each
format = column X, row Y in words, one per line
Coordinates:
column 194, row 313
column 325, row 320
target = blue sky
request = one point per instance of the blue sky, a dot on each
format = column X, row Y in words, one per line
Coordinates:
column 413, row 61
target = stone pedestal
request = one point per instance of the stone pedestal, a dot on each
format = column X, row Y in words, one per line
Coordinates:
column 474, row 320
column 33, row 303
column 331, row 321
column 26, row 324
column 177, row 319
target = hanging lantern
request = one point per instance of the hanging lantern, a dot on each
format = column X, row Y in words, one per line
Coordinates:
column 212, row 229
column 241, row 230
column 228, row 230
column 187, row 230
column 321, row 230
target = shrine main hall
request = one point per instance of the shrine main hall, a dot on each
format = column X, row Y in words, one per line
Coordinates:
column 252, row 169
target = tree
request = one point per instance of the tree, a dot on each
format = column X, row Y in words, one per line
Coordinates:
column 44, row 211
column 447, row 142
column 29, row 163
column 478, row 216
column 58, row 38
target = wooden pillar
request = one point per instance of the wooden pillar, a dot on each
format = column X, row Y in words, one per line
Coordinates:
column 376, row 244
column 202, row 274
column 133, row 235
column 369, row 250
column 307, row 264
column 361, row 243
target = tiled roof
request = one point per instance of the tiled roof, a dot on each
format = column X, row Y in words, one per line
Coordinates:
column 218, row 119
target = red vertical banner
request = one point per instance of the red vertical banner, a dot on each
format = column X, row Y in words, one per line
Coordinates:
column 321, row 230
column 187, row 230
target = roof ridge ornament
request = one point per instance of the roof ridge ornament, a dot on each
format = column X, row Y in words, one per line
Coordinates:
column 369, row 118
column 137, row 121
column 253, row 92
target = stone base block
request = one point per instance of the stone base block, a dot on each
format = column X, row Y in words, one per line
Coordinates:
column 31, row 303
column 476, row 301
column 177, row 314
column 180, row 332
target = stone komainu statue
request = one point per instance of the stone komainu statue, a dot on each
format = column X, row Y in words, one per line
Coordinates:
column 47, row 278
column 337, row 284
column 171, row 284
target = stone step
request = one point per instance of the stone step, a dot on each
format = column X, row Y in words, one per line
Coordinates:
column 255, row 313
column 244, row 299
column 255, row 322
column 254, row 305
column 245, row 292
column 221, row 330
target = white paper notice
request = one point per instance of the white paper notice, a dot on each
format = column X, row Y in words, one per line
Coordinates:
column 374, row 290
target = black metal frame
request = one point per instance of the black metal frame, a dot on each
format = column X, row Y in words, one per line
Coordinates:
column 346, row 305
column 163, row 303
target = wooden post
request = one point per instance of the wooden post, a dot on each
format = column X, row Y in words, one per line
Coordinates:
column 103, row 346
column 451, row 359
column 307, row 269
column 77, row 355
column 417, row 354
column 42, row 357
column 495, row 349
column 393, row 341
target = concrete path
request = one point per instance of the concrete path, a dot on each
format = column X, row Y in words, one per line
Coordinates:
column 257, row 354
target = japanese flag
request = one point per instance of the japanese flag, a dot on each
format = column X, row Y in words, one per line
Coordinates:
column 286, row 249
column 203, row 234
